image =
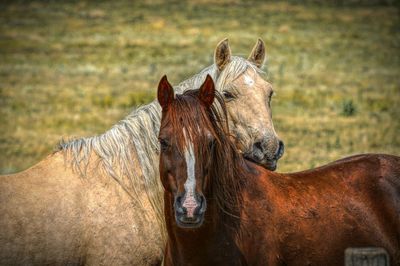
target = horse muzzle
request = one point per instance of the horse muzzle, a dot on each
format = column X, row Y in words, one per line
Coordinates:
column 260, row 155
column 189, row 210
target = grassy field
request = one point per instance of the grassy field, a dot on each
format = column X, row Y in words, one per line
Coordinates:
column 71, row 69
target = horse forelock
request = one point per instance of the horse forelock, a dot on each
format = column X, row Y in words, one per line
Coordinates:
column 133, row 141
column 188, row 119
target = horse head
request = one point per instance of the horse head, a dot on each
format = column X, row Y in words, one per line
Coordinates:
column 248, row 100
column 187, row 138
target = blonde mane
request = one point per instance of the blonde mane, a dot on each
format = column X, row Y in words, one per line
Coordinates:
column 136, row 137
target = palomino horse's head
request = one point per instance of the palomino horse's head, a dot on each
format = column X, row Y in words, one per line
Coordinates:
column 191, row 146
column 248, row 101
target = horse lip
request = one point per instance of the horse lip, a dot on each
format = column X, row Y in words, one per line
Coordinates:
column 189, row 220
column 186, row 222
column 273, row 166
column 270, row 164
column 265, row 162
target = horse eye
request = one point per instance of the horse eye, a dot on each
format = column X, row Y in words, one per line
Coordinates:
column 271, row 94
column 228, row 95
column 211, row 144
column 164, row 144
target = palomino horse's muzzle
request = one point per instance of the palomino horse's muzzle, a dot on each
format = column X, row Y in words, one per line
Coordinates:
column 261, row 154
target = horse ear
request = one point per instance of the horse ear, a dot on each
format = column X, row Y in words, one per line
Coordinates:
column 257, row 55
column 165, row 93
column 222, row 54
column 207, row 91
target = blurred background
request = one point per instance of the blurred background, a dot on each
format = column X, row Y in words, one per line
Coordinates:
column 74, row 68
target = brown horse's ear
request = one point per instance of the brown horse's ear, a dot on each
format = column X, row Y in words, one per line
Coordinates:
column 165, row 93
column 257, row 55
column 207, row 91
column 222, row 54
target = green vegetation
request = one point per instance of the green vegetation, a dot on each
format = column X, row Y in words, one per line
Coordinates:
column 75, row 68
column 348, row 108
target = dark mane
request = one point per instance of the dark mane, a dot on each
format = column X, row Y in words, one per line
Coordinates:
column 225, row 163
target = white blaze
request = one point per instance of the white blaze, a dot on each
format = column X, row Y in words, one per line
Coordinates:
column 248, row 80
column 190, row 163
column 189, row 201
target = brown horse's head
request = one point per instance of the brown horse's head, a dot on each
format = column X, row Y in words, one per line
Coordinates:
column 248, row 102
column 191, row 143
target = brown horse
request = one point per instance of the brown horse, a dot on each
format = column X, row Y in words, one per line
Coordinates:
column 221, row 209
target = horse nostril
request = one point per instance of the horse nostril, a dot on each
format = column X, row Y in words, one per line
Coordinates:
column 258, row 146
column 178, row 205
column 202, row 200
column 258, row 151
column 281, row 149
column 281, row 145
column 179, row 200
column 203, row 204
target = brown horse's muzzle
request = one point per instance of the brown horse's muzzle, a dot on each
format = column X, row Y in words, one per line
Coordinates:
column 189, row 210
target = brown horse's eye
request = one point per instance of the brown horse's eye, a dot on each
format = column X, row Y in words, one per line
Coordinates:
column 164, row 144
column 211, row 144
column 228, row 95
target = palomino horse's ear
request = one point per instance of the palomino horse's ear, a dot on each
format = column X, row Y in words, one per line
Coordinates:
column 222, row 54
column 165, row 93
column 207, row 91
column 257, row 55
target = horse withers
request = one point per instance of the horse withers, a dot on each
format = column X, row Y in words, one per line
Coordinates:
column 221, row 209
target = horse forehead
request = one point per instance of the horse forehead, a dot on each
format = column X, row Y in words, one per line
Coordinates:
column 251, row 79
column 186, row 137
column 247, row 80
column 188, row 144
column 202, row 131
column 252, row 88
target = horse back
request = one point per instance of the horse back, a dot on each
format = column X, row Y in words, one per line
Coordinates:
column 365, row 170
column 353, row 202
column 372, row 180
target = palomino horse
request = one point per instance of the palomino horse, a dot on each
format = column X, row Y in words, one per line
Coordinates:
column 221, row 209
column 98, row 200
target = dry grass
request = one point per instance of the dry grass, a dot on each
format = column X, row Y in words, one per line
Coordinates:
column 76, row 68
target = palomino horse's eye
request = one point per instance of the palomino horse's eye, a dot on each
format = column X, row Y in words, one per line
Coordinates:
column 228, row 95
column 270, row 96
column 163, row 144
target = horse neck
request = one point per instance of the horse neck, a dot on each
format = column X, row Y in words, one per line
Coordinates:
column 128, row 153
